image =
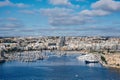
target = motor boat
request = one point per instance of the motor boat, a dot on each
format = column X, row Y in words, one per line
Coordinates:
column 91, row 61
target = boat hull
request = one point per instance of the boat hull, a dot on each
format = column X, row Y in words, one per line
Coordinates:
column 2, row 61
column 87, row 62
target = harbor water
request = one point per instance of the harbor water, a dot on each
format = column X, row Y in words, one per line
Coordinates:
column 65, row 67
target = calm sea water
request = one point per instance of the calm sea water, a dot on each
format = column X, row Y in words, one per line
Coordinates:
column 57, row 68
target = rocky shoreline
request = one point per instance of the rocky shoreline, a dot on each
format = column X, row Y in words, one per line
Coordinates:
column 113, row 60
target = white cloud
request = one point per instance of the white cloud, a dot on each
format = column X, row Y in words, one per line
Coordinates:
column 102, row 8
column 66, row 16
column 8, row 3
column 94, row 12
column 69, row 20
column 60, row 2
column 55, row 11
column 11, row 25
column 21, row 5
column 10, row 22
column 63, row 16
column 5, row 3
column 107, row 5
column 63, row 3
column 9, row 19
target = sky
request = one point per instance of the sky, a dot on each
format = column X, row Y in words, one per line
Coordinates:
column 59, row 18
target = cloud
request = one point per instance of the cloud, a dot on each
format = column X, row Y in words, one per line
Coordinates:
column 69, row 20
column 60, row 2
column 63, row 3
column 28, row 11
column 8, row 3
column 6, row 29
column 94, row 12
column 9, row 19
column 102, row 8
column 5, row 3
column 10, row 23
column 21, row 5
column 105, row 29
column 56, row 11
column 107, row 5
column 64, row 16
column 10, row 28
column 91, row 29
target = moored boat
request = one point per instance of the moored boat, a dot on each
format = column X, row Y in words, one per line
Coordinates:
column 2, row 61
column 91, row 61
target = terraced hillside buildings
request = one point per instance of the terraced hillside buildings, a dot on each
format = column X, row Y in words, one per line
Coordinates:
column 86, row 44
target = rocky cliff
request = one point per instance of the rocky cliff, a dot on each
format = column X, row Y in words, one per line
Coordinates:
column 113, row 60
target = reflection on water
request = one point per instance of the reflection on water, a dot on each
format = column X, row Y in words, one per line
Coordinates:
column 92, row 64
column 57, row 68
